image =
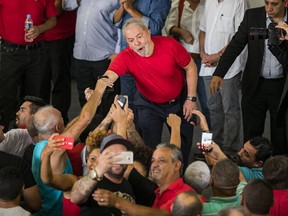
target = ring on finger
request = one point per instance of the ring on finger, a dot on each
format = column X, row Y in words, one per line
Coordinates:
column 101, row 200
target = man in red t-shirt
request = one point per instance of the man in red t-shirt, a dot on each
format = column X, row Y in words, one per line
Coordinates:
column 160, row 67
column 21, row 61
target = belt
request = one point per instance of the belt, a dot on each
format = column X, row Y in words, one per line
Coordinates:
column 21, row 46
column 195, row 56
column 171, row 102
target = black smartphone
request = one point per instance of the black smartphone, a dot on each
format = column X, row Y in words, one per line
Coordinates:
column 122, row 100
column 195, row 119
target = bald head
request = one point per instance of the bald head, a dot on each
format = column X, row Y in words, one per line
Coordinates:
column 187, row 204
column 48, row 120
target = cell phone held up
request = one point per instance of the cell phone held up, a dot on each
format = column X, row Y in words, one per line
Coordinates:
column 68, row 142
column 126, row 157
column 206, row 141
column 122, row 100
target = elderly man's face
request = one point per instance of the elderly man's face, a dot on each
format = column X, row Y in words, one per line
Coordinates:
column 162, row 165
column 138, row 40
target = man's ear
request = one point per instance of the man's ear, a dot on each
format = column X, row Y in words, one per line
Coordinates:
column 178, row 165
column 259, row 163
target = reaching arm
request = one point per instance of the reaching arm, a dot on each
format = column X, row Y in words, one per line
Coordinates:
column 174, row 122
column 110, row 199
column 60, row 182
column 132, row 134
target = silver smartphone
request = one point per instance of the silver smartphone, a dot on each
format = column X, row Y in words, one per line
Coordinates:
column 126, row 157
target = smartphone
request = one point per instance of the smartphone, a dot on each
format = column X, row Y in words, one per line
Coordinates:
column 126, row 157
column 206, row 141
column 195, row 119
column 68, row 142
column 122, row 100
column 108, row 89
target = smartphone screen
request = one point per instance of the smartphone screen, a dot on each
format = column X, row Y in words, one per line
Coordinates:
column 206, row 141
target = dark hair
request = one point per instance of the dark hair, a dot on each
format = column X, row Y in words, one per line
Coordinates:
column 143, row 155
column 263, row 148
column 36, row 103
column 11, row 183
column 275, row 172
column 225, row 175
column 187, row 204
column 258, row 196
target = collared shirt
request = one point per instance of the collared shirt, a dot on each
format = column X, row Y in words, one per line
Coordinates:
column 96, row 35
column 154, row 16
column 166, row 198
column 220, row 22
column 215, row 204
column 190, row 21
column 271, row 68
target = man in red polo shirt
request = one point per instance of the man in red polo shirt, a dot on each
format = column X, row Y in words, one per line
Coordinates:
column 21, row 61
column 166, row 166
column 162, row 69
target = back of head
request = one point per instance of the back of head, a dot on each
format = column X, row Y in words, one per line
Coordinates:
column 36, row 103
column 225, row 175
column 46, row 119
column 187, row 204
column 11, row 183
column 263, row 148
column 258, row 197
column 275, row 172
column 233, row 211
column 197, row 175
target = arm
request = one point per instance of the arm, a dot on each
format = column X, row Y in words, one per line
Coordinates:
column 35, row 31
column 191, row 79
column 83, row 188
column 60, row 182
column 58, row 5
column 117, row 17
column 132, row 134
column 174, row 122
column 32, row 199
column 110, row 199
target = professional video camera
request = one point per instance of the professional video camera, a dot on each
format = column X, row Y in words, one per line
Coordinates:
column 271, row 33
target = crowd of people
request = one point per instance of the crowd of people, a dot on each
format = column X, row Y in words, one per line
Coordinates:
column 169, row 55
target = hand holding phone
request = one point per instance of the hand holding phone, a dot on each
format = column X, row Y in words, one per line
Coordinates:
column 122, row 100
column 206, row 141
column 126, row 157
column 68, row 142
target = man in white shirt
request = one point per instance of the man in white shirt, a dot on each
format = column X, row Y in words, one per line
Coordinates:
column 219, row 23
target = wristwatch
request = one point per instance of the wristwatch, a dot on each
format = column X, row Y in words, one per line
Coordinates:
column 191, row 98
column 94, row 176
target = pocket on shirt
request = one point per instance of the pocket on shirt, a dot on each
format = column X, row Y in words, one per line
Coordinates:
column 225, row 24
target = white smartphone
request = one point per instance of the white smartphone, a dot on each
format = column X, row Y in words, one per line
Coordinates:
column 206, row 140
column 126, row 157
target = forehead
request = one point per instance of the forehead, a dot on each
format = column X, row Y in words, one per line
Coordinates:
column 26, row 105
column 249, row 148
column 274, row 1
column 95, row 152
column 117, row 147
column 162, row 152
column 133, row 30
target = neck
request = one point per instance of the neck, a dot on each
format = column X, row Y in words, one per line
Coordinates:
column 113, row 179
column 223, row 193
column 164, row 185
column 9, row 203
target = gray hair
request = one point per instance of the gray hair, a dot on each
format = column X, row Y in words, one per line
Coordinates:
column 176, row 153
column 197, row 175
column 45, row 120
column 136, row 22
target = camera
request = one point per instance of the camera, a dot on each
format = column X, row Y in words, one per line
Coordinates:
column 271, row 33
